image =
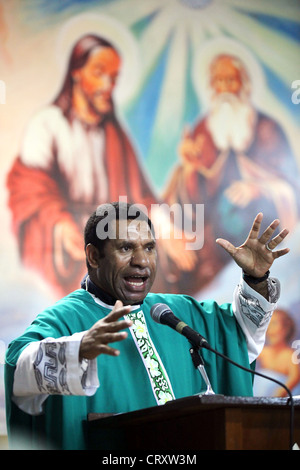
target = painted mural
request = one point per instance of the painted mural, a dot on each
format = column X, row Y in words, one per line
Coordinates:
column 193, row 102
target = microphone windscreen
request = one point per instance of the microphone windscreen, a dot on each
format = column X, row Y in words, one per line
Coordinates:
column 157, row 310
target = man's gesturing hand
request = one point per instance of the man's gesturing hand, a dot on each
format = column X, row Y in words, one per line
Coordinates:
column 255, row 255
column 107, row 330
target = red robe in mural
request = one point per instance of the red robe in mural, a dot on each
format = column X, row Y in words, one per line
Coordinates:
column 64, row 171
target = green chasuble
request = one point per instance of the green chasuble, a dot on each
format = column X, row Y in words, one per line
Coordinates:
column 125, row 383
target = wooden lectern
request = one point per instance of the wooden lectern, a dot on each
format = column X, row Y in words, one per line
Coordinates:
column 207, row 422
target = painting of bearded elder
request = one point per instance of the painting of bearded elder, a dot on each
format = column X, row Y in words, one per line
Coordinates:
column 236, row 161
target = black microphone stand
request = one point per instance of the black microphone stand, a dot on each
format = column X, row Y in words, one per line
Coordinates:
column 199, row 365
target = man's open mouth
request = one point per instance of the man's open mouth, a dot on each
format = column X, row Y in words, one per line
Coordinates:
column 136, row 281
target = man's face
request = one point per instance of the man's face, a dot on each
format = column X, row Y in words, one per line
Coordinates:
column 128, row 266
column 97, row 78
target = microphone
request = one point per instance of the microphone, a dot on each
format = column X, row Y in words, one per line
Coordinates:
column 161, row 313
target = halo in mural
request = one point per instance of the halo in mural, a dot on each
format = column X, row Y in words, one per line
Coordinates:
column 223, row 45
column 112, row 30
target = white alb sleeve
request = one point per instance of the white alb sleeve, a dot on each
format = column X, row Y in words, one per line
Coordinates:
column 253, row 313
column 52, row 367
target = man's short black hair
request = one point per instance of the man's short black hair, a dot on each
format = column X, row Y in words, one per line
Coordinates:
column 112, row 211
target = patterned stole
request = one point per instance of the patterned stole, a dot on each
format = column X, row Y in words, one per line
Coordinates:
column 159, row 380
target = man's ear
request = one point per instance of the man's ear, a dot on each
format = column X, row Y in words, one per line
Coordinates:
column 92, row 254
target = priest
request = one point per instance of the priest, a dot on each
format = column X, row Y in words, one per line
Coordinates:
column 98, row 350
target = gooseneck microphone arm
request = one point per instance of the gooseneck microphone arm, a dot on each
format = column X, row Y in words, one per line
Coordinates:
column 161, row 313
column 199, row 365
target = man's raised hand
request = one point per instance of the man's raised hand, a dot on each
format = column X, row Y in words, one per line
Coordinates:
column 255, row 256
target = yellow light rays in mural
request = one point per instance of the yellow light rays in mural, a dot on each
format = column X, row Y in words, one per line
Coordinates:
column 173, row 16
column 155, row 38
column 132, row 11
column 171, row 105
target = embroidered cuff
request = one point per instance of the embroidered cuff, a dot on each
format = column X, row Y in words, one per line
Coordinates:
column 52, row 366
column 253, row 313
column 254, row 306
